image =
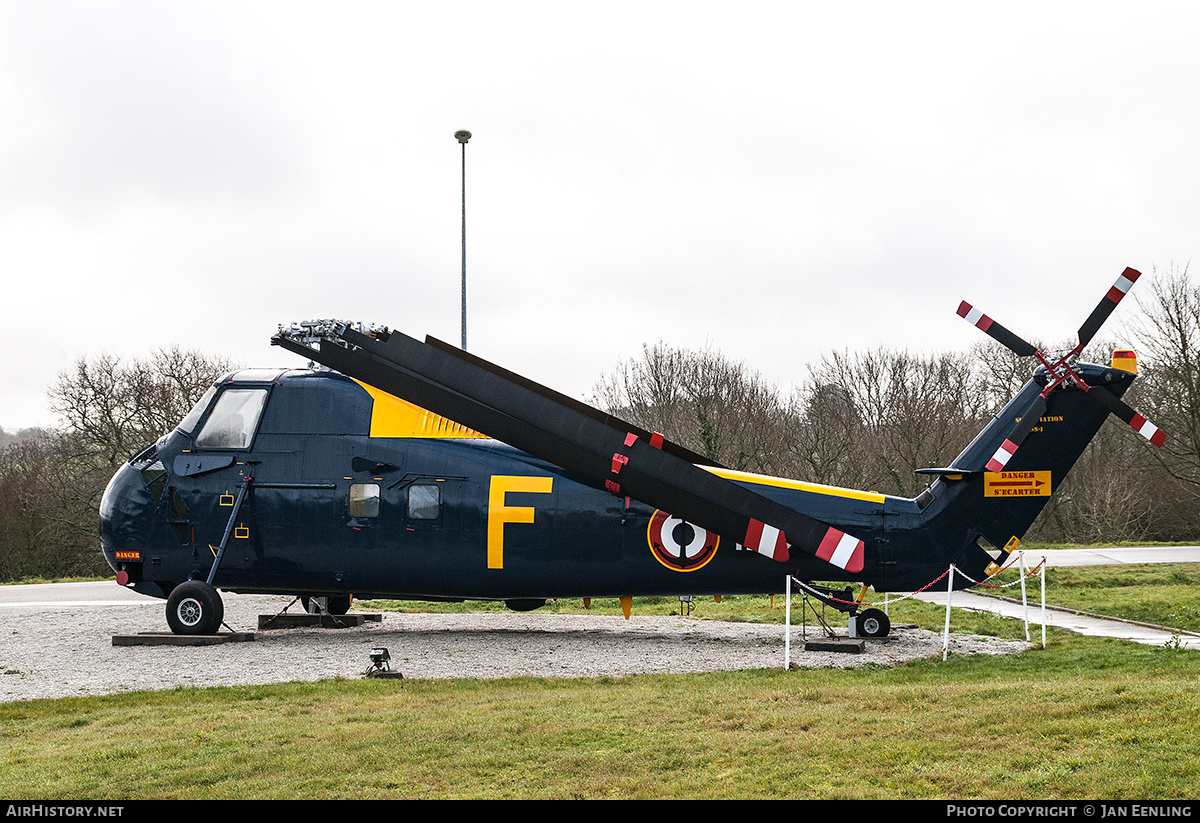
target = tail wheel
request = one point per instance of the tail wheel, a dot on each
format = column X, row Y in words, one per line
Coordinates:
column 194, row 607
column 874, row 623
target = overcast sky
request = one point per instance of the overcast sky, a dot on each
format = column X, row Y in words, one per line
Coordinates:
column 777, row 180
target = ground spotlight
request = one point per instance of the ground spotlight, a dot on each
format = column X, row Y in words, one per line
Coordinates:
column 379, row 662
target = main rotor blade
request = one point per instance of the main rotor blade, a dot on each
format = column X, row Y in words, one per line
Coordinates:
column 994, row 330
column 1122, row 410
column 1025, row 425
column 572, row 403
column 1119, row 289
column 626, row 464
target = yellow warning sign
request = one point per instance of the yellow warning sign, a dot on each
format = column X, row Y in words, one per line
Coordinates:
column 1016, row 484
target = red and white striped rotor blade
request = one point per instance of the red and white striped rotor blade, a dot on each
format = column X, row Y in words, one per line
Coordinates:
column 1010, row 445
column 1122, row 410
column 836, row 547
column 1109, row 302
column 995, row 331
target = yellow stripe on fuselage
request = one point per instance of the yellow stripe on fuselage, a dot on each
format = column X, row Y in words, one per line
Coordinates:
column 784, row 483
column 393, row 417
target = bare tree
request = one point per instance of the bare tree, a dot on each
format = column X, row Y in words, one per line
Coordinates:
column 699, row 399
column 872, row 419
column 50, row 484
column 113, row 408
column 1168, row 334
column 823, row 433
column 46, row 528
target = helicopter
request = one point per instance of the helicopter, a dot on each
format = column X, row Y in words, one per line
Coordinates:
column 414, row 470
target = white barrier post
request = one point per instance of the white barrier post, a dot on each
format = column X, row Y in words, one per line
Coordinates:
column 946, row 634
column 787, row 622
column 1043, row 576
column 1024, row 599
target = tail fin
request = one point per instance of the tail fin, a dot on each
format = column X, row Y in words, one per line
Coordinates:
column 1019, row 459
column 982, row 514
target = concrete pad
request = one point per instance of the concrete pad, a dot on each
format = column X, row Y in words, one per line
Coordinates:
column 325, row 621
column 846, row 645
column 169, row 639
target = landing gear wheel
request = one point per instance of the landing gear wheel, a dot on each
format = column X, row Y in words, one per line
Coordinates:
column 326, row 604
column 874, row 623
column 194, row 607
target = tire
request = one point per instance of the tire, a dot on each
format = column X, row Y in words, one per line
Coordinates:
column 326, row 604
column 194, row 607
column 874, row 623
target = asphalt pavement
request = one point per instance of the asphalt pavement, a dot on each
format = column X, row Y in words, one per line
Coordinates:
column 1092, row 625
column 108, row 593
column 1114, row 557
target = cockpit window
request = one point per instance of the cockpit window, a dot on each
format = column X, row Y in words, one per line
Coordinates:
column 233, row 420
column 193, row 417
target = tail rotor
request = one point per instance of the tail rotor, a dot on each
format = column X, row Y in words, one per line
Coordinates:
column 1060, row 373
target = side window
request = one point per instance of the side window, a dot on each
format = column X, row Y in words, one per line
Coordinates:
column 364, row 500
column 233, row 419
column 155, row 478
column 424, row 502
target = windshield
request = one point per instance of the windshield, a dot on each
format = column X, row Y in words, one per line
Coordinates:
column 193, row 417
column 233, row 420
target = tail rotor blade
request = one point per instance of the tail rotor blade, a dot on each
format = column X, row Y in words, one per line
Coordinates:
column 1119, row 289
column 1025, row 425
column 1122, row 410
column 994, row 330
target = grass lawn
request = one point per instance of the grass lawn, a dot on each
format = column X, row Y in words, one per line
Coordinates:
column 1085, row 718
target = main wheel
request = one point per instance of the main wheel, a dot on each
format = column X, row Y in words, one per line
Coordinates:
column 524, row 604
column 874, row 623
column 194, row 607
column 331, row 604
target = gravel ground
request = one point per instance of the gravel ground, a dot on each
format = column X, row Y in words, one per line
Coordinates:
column 68, row 651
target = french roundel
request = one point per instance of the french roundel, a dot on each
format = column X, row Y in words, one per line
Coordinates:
column 679, row 545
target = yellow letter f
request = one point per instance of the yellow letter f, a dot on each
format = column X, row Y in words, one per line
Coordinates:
column 499, row 513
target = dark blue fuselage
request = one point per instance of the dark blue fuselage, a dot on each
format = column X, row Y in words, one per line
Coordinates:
column 331, row 507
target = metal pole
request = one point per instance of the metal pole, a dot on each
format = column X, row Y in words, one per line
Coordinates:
column 1043, row 602
column 787, row 623
column 237, row 506
column 1024, row 596
column 946, row 633
column 463, row 136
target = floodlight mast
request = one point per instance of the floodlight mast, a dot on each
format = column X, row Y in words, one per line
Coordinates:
column 462, row 135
